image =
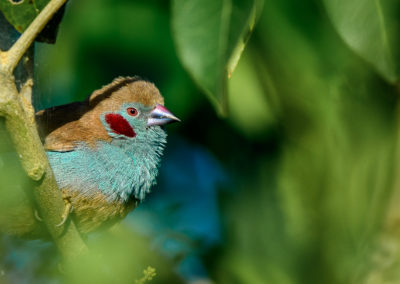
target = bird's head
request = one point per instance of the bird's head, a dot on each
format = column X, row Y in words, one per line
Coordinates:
column 127, row 110
column 130, row 109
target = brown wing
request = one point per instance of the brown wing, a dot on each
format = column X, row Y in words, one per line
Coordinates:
column 58, row 126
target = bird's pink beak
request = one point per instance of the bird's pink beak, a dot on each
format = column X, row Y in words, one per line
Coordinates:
column 161, row 116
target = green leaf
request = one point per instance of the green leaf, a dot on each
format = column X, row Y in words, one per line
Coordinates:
column 210, row 36
column 255, row 111
column 366, row 26
column 21, row 13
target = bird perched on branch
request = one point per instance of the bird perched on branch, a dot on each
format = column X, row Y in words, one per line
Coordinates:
column 105, row 151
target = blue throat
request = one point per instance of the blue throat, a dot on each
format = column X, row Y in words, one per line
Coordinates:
column 121, row 170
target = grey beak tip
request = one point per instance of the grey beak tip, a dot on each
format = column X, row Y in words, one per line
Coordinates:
column 161, row 116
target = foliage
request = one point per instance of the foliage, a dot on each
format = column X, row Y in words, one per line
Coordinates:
column 370, row 28
column 309, row 145
column 148, row 274
column 21, row 13
column 210, row 37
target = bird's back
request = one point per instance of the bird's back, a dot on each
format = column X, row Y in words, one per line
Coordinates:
column 53, row 118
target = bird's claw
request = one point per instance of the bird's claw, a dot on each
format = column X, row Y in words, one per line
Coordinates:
column 67, row 209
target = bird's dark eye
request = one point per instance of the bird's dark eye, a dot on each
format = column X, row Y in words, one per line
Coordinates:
column 132, row 111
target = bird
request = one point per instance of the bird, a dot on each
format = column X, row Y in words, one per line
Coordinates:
column 105, row 151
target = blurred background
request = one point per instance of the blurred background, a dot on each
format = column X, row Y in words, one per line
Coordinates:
column 293, row 186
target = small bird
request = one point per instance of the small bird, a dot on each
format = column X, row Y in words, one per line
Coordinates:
column 105, row 151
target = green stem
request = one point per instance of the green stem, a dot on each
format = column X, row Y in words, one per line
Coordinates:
column 17, row 110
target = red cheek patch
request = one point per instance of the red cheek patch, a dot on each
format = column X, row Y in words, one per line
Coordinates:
column 119, row 125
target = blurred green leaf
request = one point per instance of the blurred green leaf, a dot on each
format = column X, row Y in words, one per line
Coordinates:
column 21, row 13
column 210, row 37
column 365, row 26
column 309, row 215
column 120, row 255
column 255, row 111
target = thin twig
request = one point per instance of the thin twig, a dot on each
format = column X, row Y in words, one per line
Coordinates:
column 14, row 54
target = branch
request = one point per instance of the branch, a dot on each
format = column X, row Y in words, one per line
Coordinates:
column 18, row 112
column 14, row 54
